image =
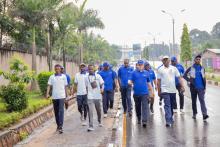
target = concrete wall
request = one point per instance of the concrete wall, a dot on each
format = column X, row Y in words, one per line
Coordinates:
column 6, row 56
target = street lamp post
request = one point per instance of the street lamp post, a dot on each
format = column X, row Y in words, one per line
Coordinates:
column 173, row 25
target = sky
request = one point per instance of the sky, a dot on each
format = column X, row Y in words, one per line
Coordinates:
column 131, row 21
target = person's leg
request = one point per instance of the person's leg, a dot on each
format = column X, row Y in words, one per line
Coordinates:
column 79, row 104
column 98, row 110
column 172, row 101
column 174, row 104
column 128, row 97
column 201, row 95
column 61, row 113
column 194, row 99
column 138, row 107
column 85, row 105
column 55, row 107
column 123, row 96
column 90, row 112
column 111, row 98
column 144, row 108
column 181, row 97
column 167, row 108
column 105, row 102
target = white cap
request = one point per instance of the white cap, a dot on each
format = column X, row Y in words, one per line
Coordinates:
column 165, row 57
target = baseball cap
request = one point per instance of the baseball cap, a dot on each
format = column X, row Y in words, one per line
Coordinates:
column 173, row 58
column 82, row 64
column 105, row 64
column 165, row 57
column 198, row 56
column 140, row 62
column 146, row 63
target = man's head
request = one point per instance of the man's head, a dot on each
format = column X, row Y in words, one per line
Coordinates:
column 146, row 65
column 82, row 67
column 126, row 62
column 57, row 69
column 106, row 66
column 141, row 64
column 91, row 69
column 174, row 61
column 197, row 59
column 166, row 61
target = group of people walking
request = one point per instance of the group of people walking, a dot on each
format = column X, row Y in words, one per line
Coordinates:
column 96, row 89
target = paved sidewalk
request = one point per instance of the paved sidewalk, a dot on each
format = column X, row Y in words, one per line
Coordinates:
column 74, row 133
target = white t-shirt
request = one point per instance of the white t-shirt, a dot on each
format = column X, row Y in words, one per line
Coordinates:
column 167, row 76
column 58, row 83
column 81, row 85
column 96, row 92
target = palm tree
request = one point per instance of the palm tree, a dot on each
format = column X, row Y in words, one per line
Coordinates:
column 31, row 13
column 86, row 19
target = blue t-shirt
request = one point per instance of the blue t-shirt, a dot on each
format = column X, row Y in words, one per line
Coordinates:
column 198, row 79
column 140, row 80
column 181, row 71
column 68, row 79
column 152, row 76
column 124, row 74
column 108, row 76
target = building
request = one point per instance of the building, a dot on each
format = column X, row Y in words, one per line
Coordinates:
column 211, row 59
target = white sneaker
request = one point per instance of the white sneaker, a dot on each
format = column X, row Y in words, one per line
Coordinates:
column 105, row 115
column 182, row 111
column 91, row 129
column 84, row 123
column 174, row 110
column 100, row 125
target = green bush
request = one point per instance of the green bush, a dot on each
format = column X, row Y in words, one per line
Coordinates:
column 42, row 81
column 15, row 97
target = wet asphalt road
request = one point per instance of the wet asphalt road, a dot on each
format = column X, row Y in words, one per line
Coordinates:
column 185, row 132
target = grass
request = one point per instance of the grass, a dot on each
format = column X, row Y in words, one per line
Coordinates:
column 35, row 103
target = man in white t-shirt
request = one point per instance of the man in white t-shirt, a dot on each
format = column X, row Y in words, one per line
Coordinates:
column 167, row 87
column 95, row 88
column 58, row 83
column 80, row 89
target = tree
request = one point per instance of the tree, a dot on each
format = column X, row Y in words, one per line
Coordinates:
column 31, row 12
column 86, row 19
column 186, row 51
column 216, row 31
column 199, row 37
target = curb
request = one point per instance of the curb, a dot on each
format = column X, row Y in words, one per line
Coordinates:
column 213, row 83
column 20, row 131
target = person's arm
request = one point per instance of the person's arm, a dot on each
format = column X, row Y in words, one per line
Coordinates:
column 119, row 77
column 49, row 85
column 155, row 80
column 159, row 86
column 150, row 89
column 48, row 91
column 185, row 76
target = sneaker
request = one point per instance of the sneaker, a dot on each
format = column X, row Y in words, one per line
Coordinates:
column 174, row 110
column 81, row 117
column 160, row 103
column 105, row 115
column 100, row 125
column 139, row 121
column 144, row 124
column 168, row 125
column 194, row 116
column 205, row 117
column 60, row 131
column 182, row 111
column 90, row 129
column 84, row 123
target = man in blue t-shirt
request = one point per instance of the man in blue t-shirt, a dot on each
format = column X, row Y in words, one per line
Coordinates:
column 67, row 76
column 195, row 75
column 110, row 79
column 124, row 74
column 142, row 90
column 153, row 81
column 181, row 70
